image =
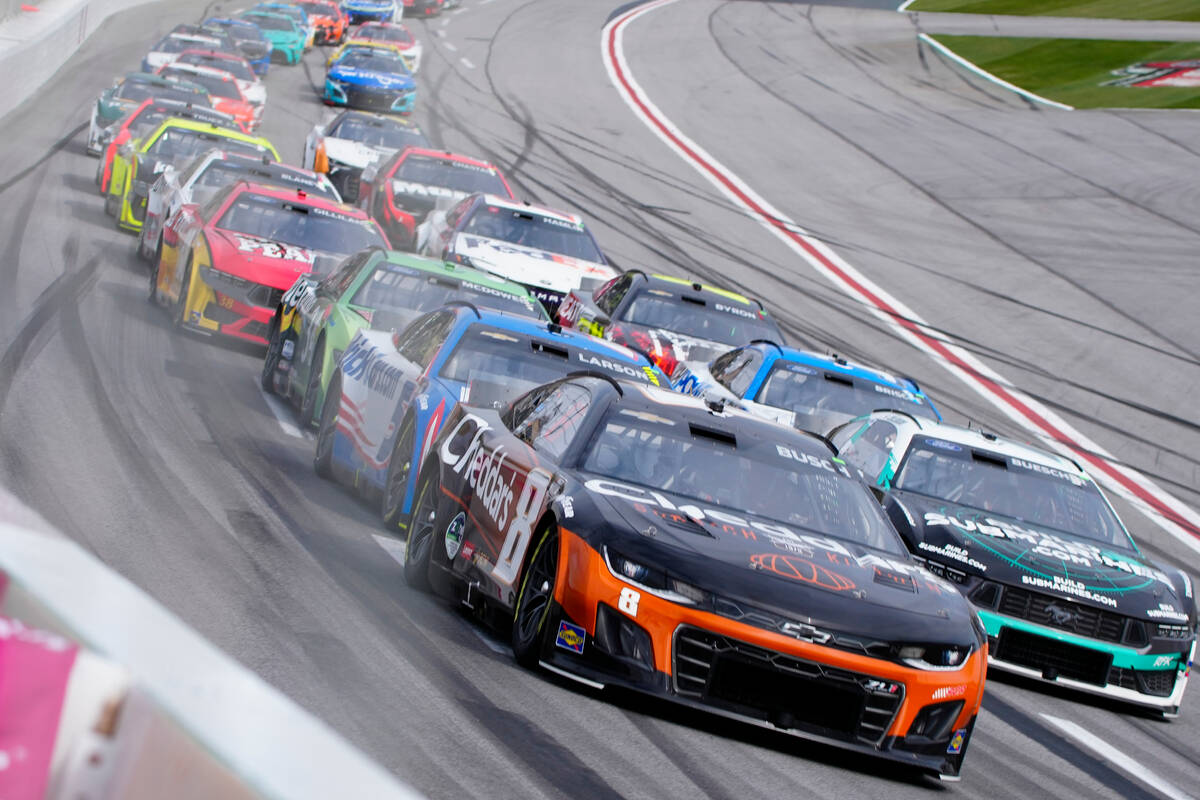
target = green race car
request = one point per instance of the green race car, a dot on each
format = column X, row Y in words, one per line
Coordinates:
column 175, row 142
column 287, row 38
column 127, row 93
column 380, row 289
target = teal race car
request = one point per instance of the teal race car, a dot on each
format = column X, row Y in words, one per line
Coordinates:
column 288, row 39
column 379, row 289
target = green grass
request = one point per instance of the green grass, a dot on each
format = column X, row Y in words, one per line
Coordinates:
column 1071, row 70
column 1188, row 10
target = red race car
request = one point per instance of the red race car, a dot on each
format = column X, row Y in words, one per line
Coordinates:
column 225, row 265
column 400, row 191
column 223, row 90
column 144, row 119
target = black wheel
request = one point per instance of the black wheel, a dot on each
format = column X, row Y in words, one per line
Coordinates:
column 308, row 405
column 179, row 310
column 154, row 273
column 535, row 599
column 271, row 359
column 400, row 466
column 112, row 204
column 421, row 534
column 323, row 458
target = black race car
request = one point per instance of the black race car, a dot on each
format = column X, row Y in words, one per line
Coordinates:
column 670, row 319
column 632, row 536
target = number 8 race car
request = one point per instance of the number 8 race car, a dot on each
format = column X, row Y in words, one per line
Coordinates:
column 636, row 537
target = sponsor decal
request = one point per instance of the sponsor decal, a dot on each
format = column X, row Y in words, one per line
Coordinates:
column 1164, row 661
column 805, row 632
column 468, row 550
column 1075, row 480
column 875, row 685
column 615, row 366
column 814, row 461
column 901, row 394
column 567, row 504
column 741, row 312
column 454, row 534
column 803, row 370
column 424, row 190
column 954, row 553
column 362, row 361
column 897, row 580
column 943, row 445
column 801, row 569
column 571, row 637
column 957, row 741
column 1166, row 611
column 1155, row 74
column 950, row 692
column 1068, row 586
column 268, row 249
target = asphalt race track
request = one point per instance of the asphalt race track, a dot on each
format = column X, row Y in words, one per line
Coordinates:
column 1057, row 247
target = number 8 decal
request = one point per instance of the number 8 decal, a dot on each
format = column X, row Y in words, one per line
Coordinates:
column 520, row 530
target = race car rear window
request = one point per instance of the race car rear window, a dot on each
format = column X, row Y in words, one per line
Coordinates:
column 272, row 23
column 701, row 321
column 1010, row 487
column 219, row 174
column 386, row 34
column 415, row 292
column 455, row 175
column 752, row 477
column 216, row 86
column 378, row 133
column 806, row 390
column 297, row 224
column 537, row 231
column 235, row 67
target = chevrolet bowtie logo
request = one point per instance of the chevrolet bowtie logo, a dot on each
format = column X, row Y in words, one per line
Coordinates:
column 805, row 632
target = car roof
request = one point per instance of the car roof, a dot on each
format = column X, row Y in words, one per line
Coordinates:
column 519, row 205
column 994, row 443
column 212, row 127
column 298, row 196
column 453, row 270
column 445, row 155
column 842, row 366
column 200, row 69
column 696, row 287
column 543, row 328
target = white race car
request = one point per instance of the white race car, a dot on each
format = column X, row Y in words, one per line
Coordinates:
column 205, row 176
column 548, row 252
column 343, row 146
column 170, row 46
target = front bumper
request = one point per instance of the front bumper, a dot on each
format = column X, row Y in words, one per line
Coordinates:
column 1150, row 680
column 224, row 304
column 606, row 632
column 369, row 98
column 288, row 53
column 363, row 15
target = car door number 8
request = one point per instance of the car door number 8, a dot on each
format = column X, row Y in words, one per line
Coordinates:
column 520, row 530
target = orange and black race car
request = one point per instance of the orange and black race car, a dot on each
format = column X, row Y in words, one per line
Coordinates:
column 634, row 537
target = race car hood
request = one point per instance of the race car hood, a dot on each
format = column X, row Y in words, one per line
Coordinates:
column 274, row 264
column 352, row 153
column 1017, row 553
column 254, row 91
column 528, row 266
column 761, row 564
column 367, row 77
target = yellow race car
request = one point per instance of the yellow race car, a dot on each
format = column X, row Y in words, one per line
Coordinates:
column 172, row 145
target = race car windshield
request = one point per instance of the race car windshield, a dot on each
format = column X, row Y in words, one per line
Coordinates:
column 383, row 34
column 533, row 230
column 273, row 23
column 304, row 226
column 241, row 33
column 408, row 293
column 373, row 62
column 215, row 85
column 1011, row 487
column 236, row 68
column 175, row 144
column 176, row 44
column 219, row 174
column 499, row 365
column 753, row 478
column 837, row 398
column 692, row 319
column 455, row 175
column 378, row 134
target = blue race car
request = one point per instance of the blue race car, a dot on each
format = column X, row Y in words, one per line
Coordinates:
column 371, row 78
column 249, row 39
column 372, row 10
column 390, row 392
column 805, row 390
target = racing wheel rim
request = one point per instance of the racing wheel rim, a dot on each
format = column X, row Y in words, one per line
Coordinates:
column 537, row 591
column 398, row 474
column 418, row 548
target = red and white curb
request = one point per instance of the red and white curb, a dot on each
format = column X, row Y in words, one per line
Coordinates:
column 1163, row 509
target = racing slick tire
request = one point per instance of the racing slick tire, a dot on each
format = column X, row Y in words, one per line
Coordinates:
column 396, row 483
column 418, row 548
column 112, row 205
column 308, row 405
column 323, row 456
column 153, row 295
column 535, row 600
column 179, row 308
column 272, row 357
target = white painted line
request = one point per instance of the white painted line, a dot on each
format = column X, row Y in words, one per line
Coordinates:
column 492, row 644
column 450, row 47
column 281, row 412
column 393, row 547
column 445, row 21
column 484, row 2
column 1160, row 507
column 983, row 73
column 467, row 63
column 1118, row 759
column 904, row 6
column 440, row 34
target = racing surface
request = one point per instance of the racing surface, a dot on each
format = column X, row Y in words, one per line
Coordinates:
column 1057, row 246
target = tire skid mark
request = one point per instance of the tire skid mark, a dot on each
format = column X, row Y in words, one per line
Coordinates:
column 53, row 151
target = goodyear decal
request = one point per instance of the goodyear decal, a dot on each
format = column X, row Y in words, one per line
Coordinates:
column 571, row 637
